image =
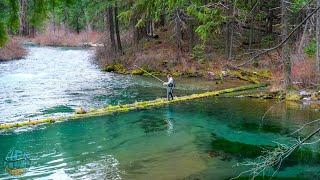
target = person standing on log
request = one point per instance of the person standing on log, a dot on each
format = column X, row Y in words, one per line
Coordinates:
column 170, row 85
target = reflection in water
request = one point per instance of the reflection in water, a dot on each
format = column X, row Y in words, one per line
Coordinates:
column 169, row 119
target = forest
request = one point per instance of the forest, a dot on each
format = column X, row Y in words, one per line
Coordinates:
column 191, row 37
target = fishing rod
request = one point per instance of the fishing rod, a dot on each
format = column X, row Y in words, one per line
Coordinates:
column 149, row 73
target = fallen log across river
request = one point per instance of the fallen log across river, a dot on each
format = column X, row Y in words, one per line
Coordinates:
column 127, row 107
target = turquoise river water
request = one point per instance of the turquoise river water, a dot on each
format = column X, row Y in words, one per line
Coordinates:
column 202, row 139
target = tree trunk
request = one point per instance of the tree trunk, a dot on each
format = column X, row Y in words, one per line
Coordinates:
column 116, row 20
column 228, row 30
column 232, row 24
column 318, row 37
column 134, row 31
column 162, row 19
column 178, row 32
column 286, row 59
column 269, row 28
column 251, row 35
column 191, row 36
column 23, row 30
column 304, row 34
column 110, row 25
column 78, row 27
column 53, row 16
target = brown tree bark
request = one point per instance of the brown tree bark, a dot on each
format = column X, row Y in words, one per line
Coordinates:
column 318, row 37
column 286, row 59
column 110, row 26
column 178, row 31
column 231, row 26
column 134, row 30
column 116, row 20
column 304, row 33
column 23, row 29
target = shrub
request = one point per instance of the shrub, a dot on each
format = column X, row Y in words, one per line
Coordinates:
column 304, row 72
column 311, row 48
column 12, row 50
column 198, row 53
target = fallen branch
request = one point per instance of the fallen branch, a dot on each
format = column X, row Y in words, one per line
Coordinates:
column 275, row 157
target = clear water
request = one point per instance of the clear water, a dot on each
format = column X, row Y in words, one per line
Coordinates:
column 202, row 139
column 54, row 81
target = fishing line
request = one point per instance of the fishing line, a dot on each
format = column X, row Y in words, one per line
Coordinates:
column 149, row 73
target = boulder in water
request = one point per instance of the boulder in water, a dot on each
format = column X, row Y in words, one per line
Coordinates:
column 81, row 110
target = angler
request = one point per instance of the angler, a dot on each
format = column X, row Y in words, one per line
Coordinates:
column 170, row 85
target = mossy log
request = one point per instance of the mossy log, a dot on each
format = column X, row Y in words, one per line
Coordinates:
column 128, row 107
column 242, row 76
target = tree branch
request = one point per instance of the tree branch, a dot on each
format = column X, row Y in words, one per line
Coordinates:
column 282, row 43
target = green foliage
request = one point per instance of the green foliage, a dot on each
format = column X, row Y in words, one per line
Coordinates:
column 3, row 34
column 198, row 53
column 13, row 20
column 311, row 48
column 141, row 23
column 38, row 13
column 267, row 41
column 125, row 16
column 211, row 20
column 298, row 4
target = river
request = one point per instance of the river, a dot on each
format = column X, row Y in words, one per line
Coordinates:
column 202, row 139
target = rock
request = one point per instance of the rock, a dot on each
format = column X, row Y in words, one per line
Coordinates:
column 303, row 93
column 306, row 98
column 81, row 110
column 293, row 96
column 314, row 97
column 224, row 73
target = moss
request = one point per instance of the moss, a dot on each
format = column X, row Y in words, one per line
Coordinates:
column 292, row 96
column 245, row 77
column 109, row 68
column 115, row 68
column 119, row 68
column 137, row 72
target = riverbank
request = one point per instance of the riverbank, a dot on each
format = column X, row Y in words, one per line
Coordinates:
column 12, row 50
column 65, row 38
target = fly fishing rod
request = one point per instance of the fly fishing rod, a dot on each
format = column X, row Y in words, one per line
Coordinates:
column 149, row 73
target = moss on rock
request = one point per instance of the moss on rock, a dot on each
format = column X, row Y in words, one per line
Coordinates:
column 293, row 96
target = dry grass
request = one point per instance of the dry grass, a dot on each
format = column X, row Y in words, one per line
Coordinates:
column 66, row 38
column 12, row 50
column 304, row 72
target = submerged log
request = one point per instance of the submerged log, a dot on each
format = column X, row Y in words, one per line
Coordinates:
column 129, row 107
